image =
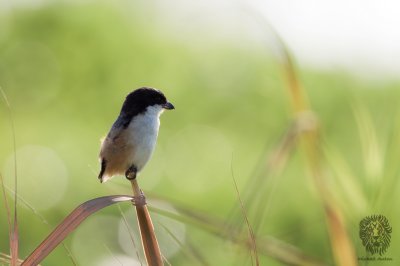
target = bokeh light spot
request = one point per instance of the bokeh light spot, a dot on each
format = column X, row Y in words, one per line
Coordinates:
column 97, row 235
column 42, row 176
column 118, row 260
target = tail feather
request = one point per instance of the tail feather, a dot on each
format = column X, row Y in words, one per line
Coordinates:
column 103, row 169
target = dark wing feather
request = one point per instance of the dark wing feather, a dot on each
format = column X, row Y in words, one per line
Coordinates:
column 114, row 142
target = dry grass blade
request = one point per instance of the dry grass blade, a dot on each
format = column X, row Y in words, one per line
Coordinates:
column 14, row 243
column 7, row 206
column 250, row 229
column 310, row 140
column 72, row 221
column 113, row 255
column 267, row 171
column 4, row 258
column 132, row 238
column 288, row 254
column 342, row 247
column 283, row 252
column 275, row 164
column 186, row 248
column 21, row 200
column 14, row 232
column 344, row 254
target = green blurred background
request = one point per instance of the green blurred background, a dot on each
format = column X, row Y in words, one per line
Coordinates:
column 66, row 68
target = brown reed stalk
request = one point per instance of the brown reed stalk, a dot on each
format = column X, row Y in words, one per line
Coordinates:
column 308, row 126
column 342, row 248
column 149, row 241
column 309, row 131
column 69, row 224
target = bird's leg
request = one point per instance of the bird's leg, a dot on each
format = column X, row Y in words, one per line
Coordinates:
column 130, row 174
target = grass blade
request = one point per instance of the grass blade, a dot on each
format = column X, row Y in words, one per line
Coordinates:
column 7, row 207
column 186, row 248
column 43, row 220
column 14, row 232
column 250, row 229
column 279, row 250
column 6, row 259
column 342, row 247
column 264, row 177
column 72, row 221
column 113, row 255
column 343, row 252
column 132, row 238
column 14, row 243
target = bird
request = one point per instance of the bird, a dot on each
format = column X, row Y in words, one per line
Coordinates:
column 132, row 138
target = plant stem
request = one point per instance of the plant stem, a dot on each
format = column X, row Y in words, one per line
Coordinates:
column 149, row 240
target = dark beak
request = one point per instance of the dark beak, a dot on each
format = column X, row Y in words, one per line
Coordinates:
column 168, row 106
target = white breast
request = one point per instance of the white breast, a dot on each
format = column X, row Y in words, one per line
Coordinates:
column 142, row 136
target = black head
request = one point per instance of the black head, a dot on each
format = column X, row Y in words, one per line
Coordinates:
column 138, row 100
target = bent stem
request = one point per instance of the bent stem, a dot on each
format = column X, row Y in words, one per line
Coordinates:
column 149, row 240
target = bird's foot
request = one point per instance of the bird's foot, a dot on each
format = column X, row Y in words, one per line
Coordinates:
column 130, row 174
column 140, row 200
